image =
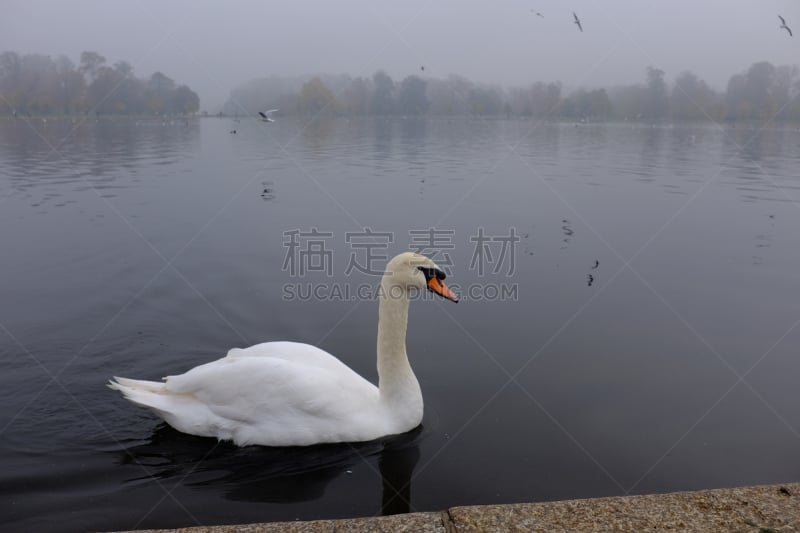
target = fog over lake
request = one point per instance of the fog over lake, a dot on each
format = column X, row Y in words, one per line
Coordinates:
column 215, row 48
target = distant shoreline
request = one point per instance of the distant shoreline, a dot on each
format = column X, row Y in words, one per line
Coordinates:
column 515, row 118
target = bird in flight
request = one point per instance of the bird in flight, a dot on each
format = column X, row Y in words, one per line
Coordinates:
column 266, row 116
column 537, row 13
column 577, row 21
column 783, row 26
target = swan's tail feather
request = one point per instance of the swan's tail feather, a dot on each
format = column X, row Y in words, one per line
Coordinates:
column 150, row 394
column 180, row 410
column 121, row 384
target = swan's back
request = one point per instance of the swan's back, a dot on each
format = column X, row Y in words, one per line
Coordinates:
column 291, row 351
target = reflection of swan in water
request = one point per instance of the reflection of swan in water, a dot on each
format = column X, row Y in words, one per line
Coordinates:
column 270, row 474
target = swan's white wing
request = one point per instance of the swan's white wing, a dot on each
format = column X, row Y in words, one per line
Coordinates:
column 249, row 388
column 257, row 399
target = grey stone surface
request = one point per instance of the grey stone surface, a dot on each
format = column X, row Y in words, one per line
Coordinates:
column 756, row 509
column 764, row 509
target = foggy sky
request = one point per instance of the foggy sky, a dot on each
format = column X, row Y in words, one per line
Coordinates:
column 214, row 46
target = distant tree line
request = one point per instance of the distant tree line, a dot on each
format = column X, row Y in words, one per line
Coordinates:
column 37, row 84
column 762, row 92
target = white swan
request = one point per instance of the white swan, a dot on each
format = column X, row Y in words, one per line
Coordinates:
column 292, row 394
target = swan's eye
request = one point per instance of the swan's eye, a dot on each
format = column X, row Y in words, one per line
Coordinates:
column 431, row 272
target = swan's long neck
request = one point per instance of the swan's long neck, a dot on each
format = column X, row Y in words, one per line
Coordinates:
column 396, row 380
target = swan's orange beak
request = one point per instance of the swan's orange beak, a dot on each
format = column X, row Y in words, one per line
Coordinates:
column 438, row 286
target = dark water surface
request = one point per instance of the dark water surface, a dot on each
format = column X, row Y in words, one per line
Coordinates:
column 641, row 338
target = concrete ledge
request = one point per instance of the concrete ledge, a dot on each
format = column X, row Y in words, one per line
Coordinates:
column 764, row 509
column 758, row 509
column 406, row 523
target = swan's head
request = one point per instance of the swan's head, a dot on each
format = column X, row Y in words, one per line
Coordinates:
column 410, row 270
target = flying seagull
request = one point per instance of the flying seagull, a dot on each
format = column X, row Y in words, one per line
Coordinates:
column 783, row 26
column 577, row 21
column 266, row 116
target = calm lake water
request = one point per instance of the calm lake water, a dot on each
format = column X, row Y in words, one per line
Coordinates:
column 628, row 322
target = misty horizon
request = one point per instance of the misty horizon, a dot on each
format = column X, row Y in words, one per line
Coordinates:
column 39, row 84
column 299, row 79
column 215, row 49
column 43, row 85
